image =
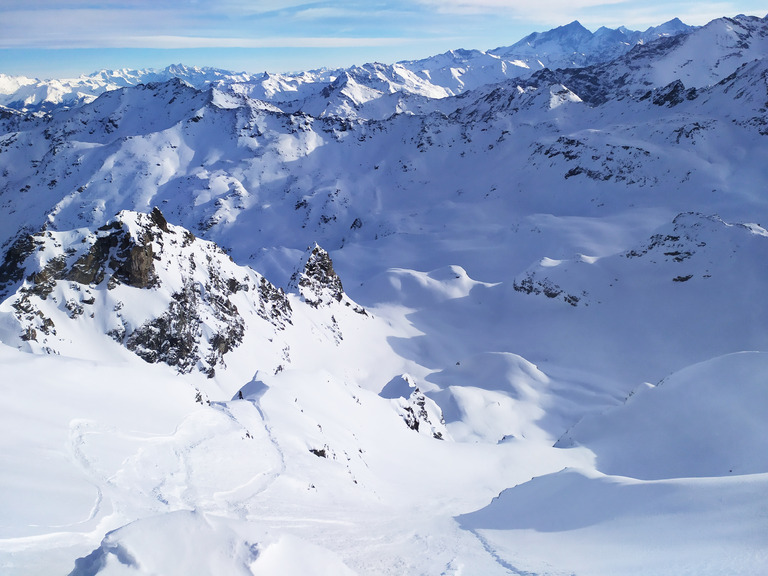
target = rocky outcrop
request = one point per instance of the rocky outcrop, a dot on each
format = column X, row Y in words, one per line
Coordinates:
column 671, row 95
column 274, row 305
column 416, row 416
column 129, row 258
column 689, row 234
column 420, row 413
column 175, row 336
column 91, row 277
column 317, row 281
column 114, row 252
column 12, row 267
column 530, row 284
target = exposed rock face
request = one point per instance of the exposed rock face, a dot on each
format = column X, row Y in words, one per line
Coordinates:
column 115, row 253
column 417, row 417
column 672, row 94
column 274, row 306
column 172, row 337
column 419, row 412
column 688, row 235
column 73, row 276
column 530, row 284
column 317, row 282
column 11, row 269
column 138, row 267
column 175, row 337
column 131, row 259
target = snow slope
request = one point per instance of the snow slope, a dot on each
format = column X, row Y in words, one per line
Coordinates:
column 677, row 475
column 393, row 319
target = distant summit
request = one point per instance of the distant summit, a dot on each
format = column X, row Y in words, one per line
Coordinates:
column 573, row 45
column 447, row 74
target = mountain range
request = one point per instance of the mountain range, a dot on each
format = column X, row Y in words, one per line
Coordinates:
column 444, row 75
column 483, row 313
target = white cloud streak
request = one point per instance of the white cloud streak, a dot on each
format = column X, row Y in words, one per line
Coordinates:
column 219, row 6
column 521, row 8
column 646, row 15
column 266, row 42
column 166, row 41
column 161, row 27
column 594, row 13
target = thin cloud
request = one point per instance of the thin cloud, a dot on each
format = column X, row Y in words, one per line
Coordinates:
column 222, row 6
column 275, row 42
column 167, row 41
column 81, row 27
column 597, row 12
column 331, row 13
column 521, row 8
column 229, row 23
column 653, row 15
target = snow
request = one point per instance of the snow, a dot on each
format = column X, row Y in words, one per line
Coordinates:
column 620, row 525
column 703, row 421
column 677, row 471
column 459, row 315
column 291, row 555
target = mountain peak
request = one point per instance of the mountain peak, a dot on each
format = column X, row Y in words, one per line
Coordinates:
column 575, row 25
column 317, row 281
column 570, row 35
column 669, row 28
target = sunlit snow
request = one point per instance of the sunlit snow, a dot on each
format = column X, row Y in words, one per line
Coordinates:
column 482, row 313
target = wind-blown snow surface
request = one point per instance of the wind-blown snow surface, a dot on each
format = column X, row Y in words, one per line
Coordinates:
column 680, row 479
column 375, row 328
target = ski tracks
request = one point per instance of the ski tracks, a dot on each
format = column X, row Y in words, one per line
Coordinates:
column 78, row 429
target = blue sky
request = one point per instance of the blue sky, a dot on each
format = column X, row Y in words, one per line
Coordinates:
column 57, row 38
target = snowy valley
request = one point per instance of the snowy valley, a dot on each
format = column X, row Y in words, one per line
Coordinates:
column 483, row 313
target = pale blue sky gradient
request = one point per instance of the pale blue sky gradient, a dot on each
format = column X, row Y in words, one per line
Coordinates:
column 60, row 38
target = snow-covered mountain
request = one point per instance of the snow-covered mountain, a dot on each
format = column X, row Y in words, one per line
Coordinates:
column 468, row 315
column 33, row 94
column 573, row 46
column 447, row 74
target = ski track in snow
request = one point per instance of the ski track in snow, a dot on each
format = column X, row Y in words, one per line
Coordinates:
column 257, row 484
column 498, row 559
column 78, row 429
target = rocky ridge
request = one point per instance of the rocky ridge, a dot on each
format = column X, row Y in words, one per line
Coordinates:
column 193, row 296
